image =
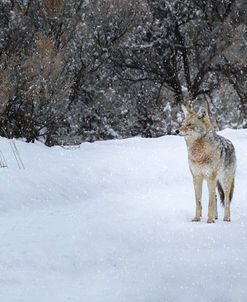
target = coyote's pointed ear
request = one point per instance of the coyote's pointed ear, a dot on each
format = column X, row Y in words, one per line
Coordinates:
column 202, row 112
column 187, row 111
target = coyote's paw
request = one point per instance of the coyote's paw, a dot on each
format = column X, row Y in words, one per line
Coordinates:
column 210, row 221
column 196, row 219
column 227, row 219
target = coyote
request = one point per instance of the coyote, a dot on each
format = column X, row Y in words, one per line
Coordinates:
column 211, row 157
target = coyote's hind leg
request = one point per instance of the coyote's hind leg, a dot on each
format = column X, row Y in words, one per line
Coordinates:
column 228, row 195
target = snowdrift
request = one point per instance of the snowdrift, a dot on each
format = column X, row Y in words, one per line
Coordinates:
column 111, row 222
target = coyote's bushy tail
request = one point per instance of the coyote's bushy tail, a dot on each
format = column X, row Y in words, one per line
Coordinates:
column 222, row 193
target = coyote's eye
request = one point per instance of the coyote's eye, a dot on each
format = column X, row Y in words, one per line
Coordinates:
column 189, row 125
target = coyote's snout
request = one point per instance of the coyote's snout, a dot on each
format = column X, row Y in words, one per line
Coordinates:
column 211, row 157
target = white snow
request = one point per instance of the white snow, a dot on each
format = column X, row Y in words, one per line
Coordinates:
column 111, row 222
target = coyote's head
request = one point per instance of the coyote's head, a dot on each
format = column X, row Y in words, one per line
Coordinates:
column 195, row 125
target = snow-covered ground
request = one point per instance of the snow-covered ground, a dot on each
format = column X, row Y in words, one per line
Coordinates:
column 111, row 222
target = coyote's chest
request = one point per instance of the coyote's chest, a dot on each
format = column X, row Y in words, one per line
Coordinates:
column 200, row 153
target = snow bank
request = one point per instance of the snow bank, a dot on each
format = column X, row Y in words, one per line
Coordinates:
column 111, row 222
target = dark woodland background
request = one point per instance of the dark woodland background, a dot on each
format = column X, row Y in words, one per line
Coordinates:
column 84, row 70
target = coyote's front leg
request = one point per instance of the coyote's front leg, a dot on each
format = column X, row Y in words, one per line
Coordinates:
column 211, row 204
column 197, row 180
